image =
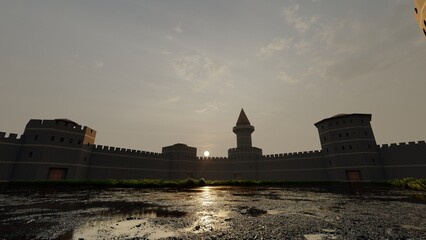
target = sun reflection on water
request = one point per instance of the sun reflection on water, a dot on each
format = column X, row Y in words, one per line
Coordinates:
column 207, row 196
column 209, row 218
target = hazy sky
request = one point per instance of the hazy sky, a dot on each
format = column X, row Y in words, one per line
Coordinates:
column 146, row 74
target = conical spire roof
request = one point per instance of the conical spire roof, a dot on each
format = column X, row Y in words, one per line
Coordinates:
column 242, row 119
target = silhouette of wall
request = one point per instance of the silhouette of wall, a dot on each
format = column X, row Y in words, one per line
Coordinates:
column 47, row 144
column 10, row 146
column 348, row 145
column 404, row 159
column 122, row 163
column 307, row 166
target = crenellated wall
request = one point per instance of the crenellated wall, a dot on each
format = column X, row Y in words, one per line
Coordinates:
column 10, row 145
column 55, row 124
column 307, row 165
column 219, row 168
column 99, row 149
column 53, row 144
column 121, row 163
column 404, row 159
column 11, row 138
column 347, row 141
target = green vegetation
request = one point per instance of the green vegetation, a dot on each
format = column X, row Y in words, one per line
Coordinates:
column 411, row 183
column 157, row 183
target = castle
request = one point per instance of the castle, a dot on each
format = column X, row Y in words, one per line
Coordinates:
column 62, row 149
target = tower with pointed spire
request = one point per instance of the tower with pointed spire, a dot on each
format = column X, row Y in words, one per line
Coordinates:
column 243, row 130
column 245, row 156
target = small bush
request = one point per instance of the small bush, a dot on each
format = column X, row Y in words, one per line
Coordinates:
column 411, row 183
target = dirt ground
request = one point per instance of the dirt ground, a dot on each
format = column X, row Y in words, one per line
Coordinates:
column 211, row 213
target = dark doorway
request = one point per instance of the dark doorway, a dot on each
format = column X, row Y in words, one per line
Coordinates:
column 353, row 175
column 57, row 173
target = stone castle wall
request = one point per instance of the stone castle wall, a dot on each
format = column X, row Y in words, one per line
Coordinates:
column 48, row 144
column 10, row 146
column 404, row 159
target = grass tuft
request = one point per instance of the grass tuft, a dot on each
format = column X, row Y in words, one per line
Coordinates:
column 411, row 183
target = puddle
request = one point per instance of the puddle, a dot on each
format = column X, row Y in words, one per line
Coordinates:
column 128, row 224
column 275, row 212
column 140, row 228
column 210, row 212
column 319, row 236
column 252, row 211
column 411, row 227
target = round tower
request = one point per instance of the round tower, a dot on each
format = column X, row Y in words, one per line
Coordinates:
column 243, row 130
column 55, row 149
column 349, row 147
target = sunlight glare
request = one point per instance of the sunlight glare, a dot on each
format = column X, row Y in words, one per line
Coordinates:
column 206, row 153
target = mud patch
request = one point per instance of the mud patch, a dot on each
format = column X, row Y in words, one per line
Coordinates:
column 251, row 211
column 210, row 213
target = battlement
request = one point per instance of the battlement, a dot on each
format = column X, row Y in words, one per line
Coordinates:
column 61, row 124
column 212, row 158
column 125, row 151
column 179, row 147
column 305, row 154
column 244, row 149
column 11, row 138
column 403, row 144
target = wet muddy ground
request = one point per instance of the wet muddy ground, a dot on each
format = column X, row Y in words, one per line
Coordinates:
column 211, row 213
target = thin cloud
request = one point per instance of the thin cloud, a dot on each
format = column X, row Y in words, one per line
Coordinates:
column 285, row 77
column 200, row 110
column 171, row 100
column 360, row 48
column 301, row 24
column 200, row 71
column 179, row 28
column 99, row 64
column 276, row 45
column 303, row 46
column 209, row 106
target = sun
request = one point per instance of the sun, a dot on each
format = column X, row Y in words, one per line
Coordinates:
column 206, row 153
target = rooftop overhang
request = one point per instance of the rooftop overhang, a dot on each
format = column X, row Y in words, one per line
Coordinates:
column 344, row 115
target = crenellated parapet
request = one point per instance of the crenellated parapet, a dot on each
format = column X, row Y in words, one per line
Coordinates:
column 179, row 147
column 58, row 131
column 212, row 159
column 244, row 149
column 403, row 144
column 100, row 149
column 11, row 138
column 294, row 155
column 68, row 126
